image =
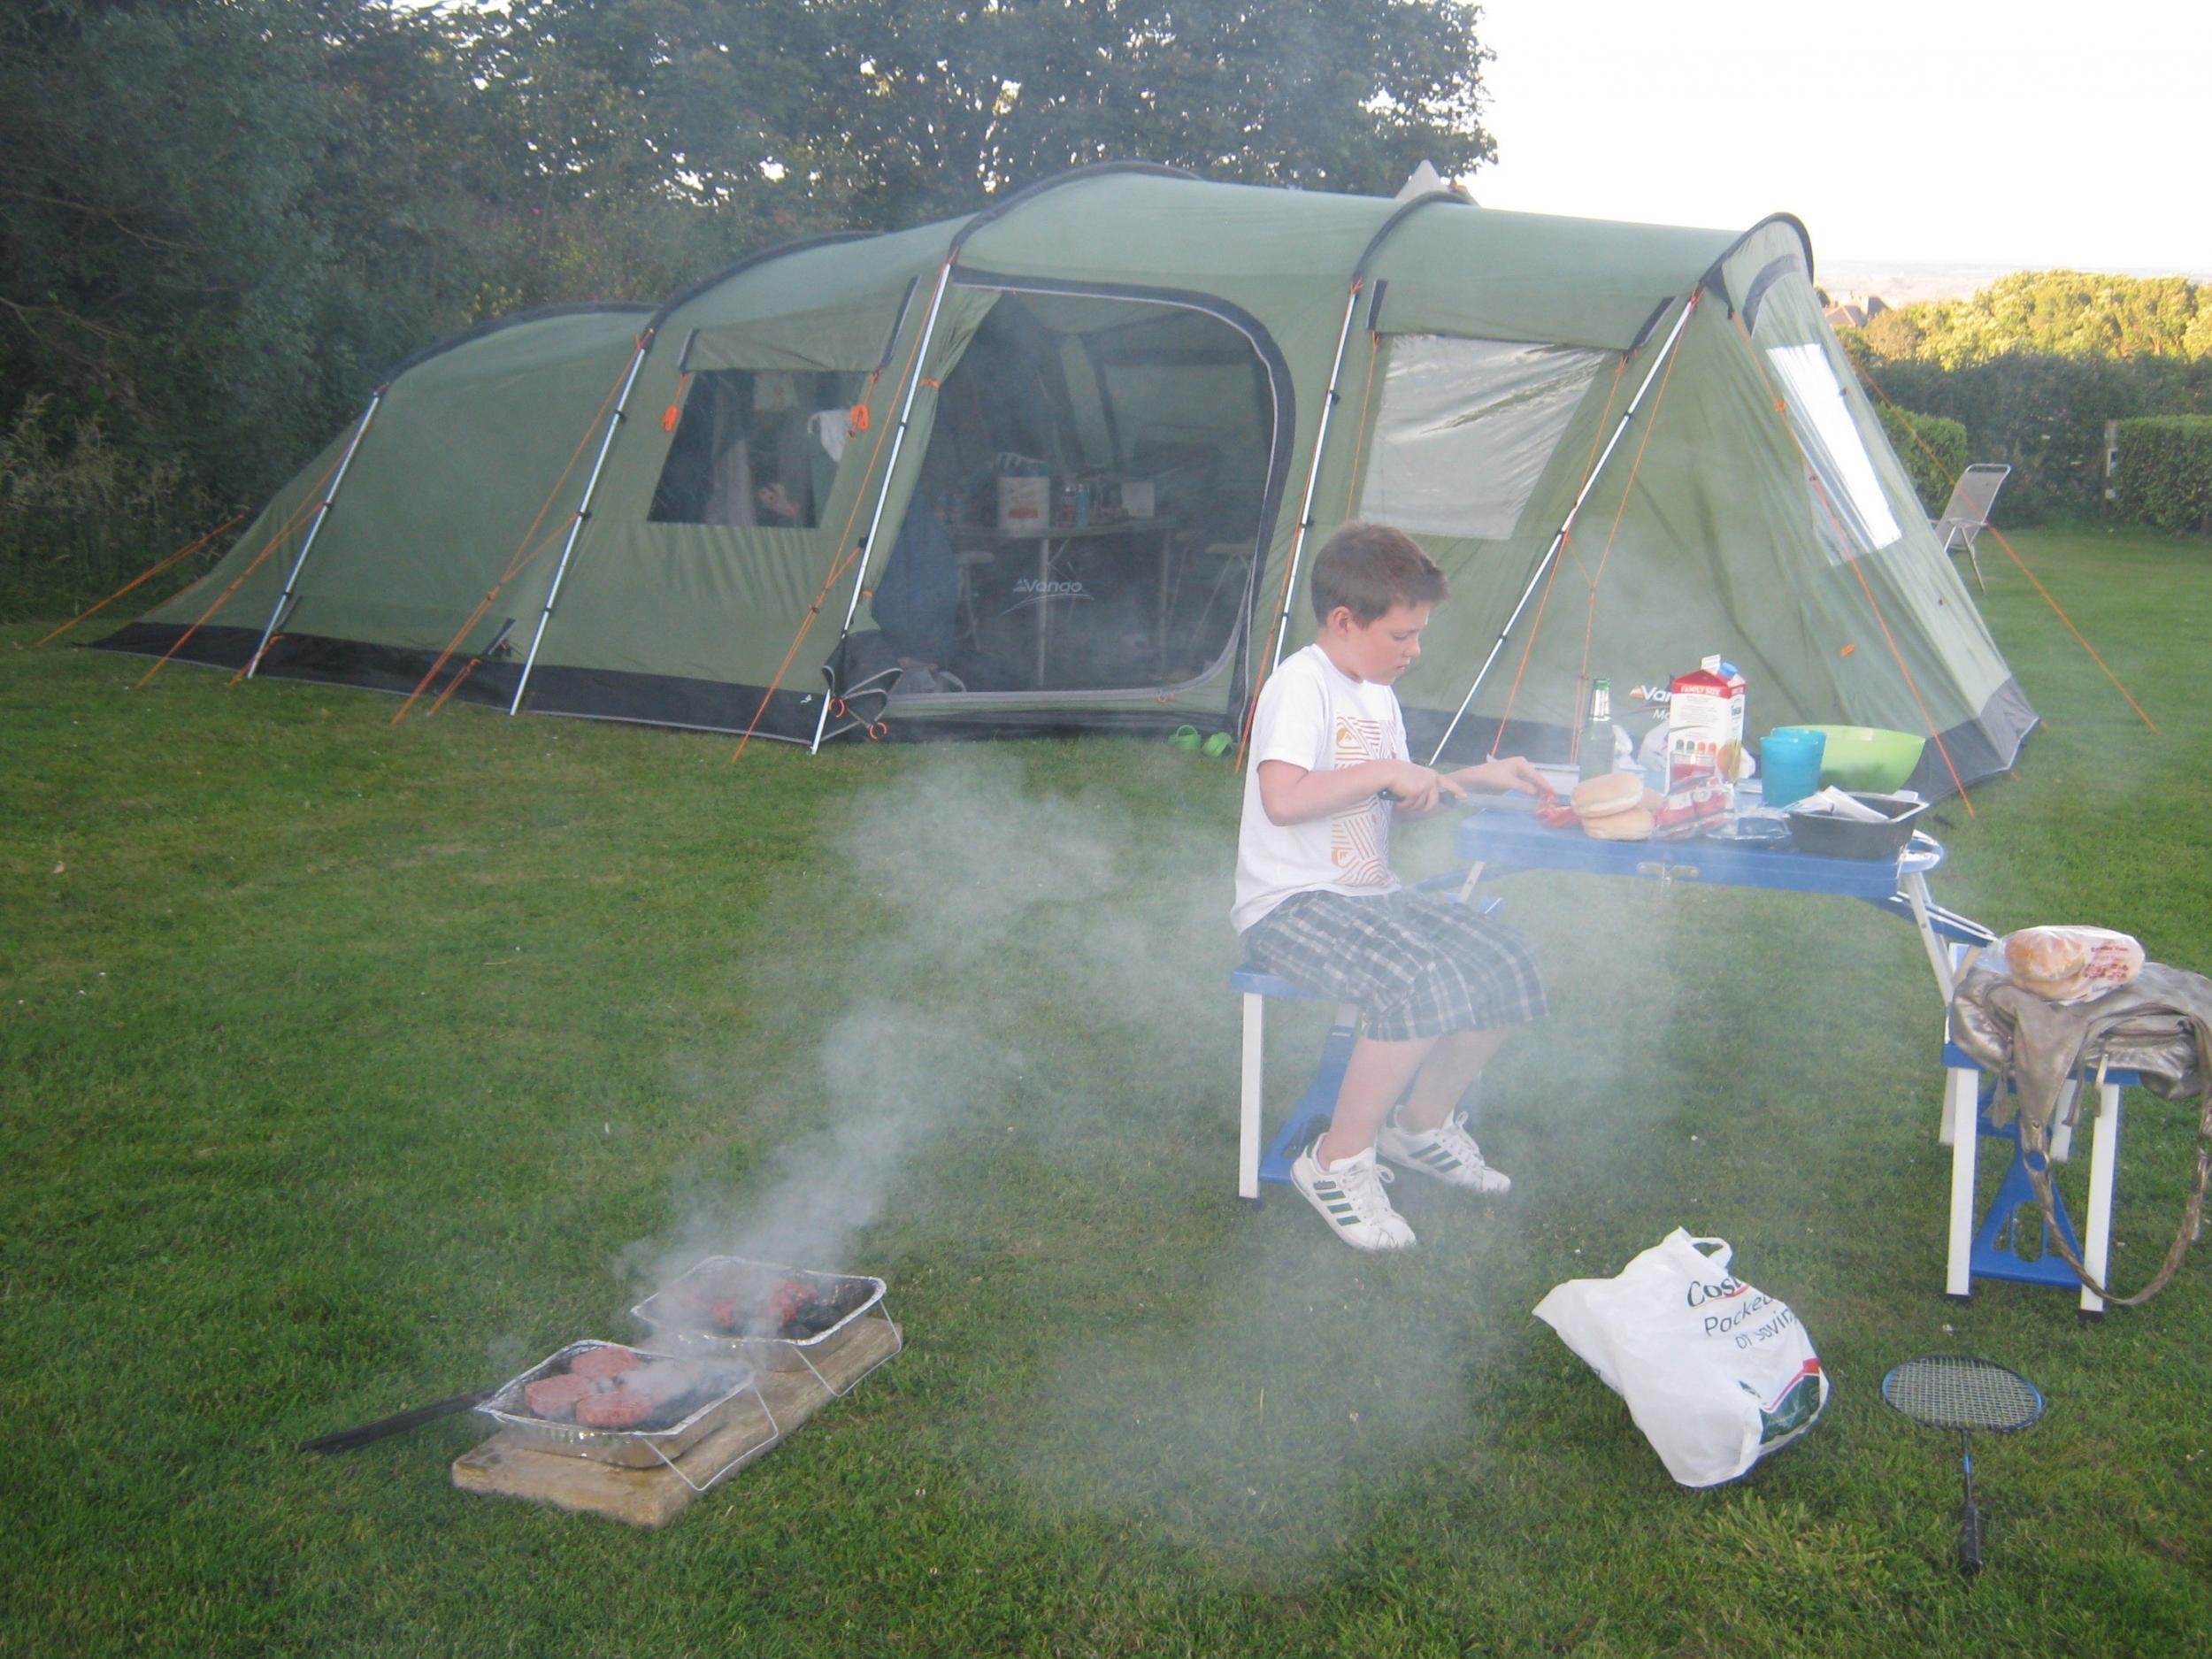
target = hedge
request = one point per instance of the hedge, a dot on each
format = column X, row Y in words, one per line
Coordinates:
column 1914, row 436
column 2166, row 471
column 2044, row 416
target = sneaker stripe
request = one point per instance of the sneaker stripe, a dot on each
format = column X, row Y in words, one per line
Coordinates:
column 1355, row 1204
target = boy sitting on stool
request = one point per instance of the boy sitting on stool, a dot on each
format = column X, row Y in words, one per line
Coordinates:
column 1439, row 987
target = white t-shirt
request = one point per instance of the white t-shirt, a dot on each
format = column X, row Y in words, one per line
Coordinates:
column 1314, row 715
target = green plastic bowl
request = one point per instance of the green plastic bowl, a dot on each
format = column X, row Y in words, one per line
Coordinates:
column 1865, row 757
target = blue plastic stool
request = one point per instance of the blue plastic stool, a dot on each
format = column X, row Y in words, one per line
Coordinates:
column 1995, row 1249
column 1311, row 1115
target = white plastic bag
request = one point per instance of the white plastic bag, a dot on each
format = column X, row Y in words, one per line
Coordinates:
column 1716, row 1373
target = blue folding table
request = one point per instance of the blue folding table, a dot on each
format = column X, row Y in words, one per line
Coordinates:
column 1509, row 836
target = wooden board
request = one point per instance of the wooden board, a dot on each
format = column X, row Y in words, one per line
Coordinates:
column 512, row 1467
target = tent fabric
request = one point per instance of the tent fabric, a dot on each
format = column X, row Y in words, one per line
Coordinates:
column 1191, row 382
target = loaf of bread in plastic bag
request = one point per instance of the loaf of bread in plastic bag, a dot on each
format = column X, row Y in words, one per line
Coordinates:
column 2070, row 964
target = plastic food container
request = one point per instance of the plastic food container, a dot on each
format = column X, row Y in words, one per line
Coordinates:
column 1866, row 756
column 1828, row 836
column 1791, row 755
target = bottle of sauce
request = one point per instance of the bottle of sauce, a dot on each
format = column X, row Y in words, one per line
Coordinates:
column 1597, row 732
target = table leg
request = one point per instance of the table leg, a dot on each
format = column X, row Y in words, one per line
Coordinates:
column 1915, row 887
column 1960, row 1105
column 1043, row 601
column 1960, row 1090
column 1160, row 636
column 2104, row 1145
column 1248, row 1110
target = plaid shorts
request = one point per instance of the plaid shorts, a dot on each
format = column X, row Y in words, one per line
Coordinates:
column 1418, row 964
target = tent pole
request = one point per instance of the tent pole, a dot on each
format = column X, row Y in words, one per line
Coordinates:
column 322, row 511
column 890, row 470
column 1313, row 478
column 1567, row 524
column 583, row 511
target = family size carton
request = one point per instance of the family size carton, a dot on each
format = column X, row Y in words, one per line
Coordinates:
column 1024, row 504
column 1704, row 747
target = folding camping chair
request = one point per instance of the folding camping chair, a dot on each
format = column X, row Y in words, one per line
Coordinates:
column 1966, row 515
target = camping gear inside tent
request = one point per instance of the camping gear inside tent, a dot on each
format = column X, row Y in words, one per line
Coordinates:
column 1063, row 464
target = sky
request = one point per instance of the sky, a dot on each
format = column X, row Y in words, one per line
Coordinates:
column 2020, row 133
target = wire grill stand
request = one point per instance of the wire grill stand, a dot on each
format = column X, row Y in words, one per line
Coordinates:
column 898, row 1344
column 775, row 1435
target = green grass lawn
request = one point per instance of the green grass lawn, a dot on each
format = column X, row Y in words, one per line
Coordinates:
column 347, row 1067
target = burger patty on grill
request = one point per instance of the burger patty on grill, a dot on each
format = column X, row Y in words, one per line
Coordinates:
column 557, row 1396
column 603, row 1362
column 621, row 1407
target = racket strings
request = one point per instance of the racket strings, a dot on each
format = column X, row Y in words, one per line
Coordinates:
column 1952, row 1392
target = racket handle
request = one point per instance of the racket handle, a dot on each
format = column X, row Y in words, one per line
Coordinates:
column 1969, row 1540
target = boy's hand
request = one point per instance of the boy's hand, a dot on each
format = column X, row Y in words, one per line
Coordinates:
column 1507, row 772
column 1416, row 789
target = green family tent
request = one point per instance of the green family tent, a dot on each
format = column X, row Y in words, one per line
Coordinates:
column 1063, row 465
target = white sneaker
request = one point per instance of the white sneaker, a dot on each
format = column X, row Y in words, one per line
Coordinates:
column 1350, row 1196
column 1448, row 1152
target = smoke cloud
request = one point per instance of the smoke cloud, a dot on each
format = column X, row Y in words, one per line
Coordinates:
column 1021, row 1044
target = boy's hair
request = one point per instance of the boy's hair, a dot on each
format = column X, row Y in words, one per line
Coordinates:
column 1367, row 568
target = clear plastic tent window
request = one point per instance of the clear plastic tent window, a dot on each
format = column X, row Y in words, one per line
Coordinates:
column 1465, row 429
column 1832, row 445
column 755, row 448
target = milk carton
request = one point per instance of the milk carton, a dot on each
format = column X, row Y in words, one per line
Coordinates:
column 1024, row 504
column 1704, row 744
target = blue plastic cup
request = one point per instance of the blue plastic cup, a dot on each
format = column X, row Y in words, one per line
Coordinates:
column 1789, row 763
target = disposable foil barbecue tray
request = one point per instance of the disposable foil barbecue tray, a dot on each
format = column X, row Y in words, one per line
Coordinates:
column 727, row 1386
column 723, row 1304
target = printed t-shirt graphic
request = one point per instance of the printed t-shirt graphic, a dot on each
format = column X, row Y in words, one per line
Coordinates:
column 1359, row 836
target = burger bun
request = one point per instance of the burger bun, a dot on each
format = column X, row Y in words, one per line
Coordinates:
column 1608, row 795
column 2049, row 954
column 1634, row 825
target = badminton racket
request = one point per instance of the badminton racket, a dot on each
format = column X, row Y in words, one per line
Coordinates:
column 1949, row 1391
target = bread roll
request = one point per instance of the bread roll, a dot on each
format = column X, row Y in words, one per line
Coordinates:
column 1635, row 824
column 2051, row 955
column 1608, row 794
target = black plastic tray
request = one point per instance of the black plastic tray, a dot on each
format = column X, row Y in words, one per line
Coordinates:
column 1827, row 836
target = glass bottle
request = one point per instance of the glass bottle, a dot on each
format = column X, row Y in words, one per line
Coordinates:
column 1597, row 732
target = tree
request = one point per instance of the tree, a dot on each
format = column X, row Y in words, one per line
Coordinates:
column 1894, row 333
column 221, row 220
column 217, row 220
column 2069, row 313
column 880, row 113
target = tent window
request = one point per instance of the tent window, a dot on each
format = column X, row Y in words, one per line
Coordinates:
column 1850, row 491
column 755, row 447
column 1827, row 522
column 1465, row 430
